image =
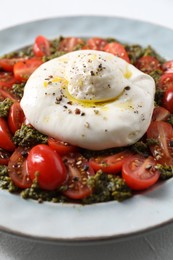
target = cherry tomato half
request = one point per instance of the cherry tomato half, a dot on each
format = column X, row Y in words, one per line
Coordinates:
column 7, row 94
column 117, row 49
column 110, row 164
column 6, row 80
column 148, row 64
column 160, row 114
column 168, row 66
column 24, row 69
column 41, row 46
column 49, row 166
column 79, row 171
column 61, row 147
column 162, row 150
column 168, row 99
column 165, row 81
column 69, row 44
column 5, row 136
column 7, row 64
column 140, row 172
column 17, row 168
column 16, row 117
column 96, row 44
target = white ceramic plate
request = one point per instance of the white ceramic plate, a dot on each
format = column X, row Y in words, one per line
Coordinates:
column 112, row 220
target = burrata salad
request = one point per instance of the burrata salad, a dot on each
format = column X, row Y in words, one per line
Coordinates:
column 85, row 120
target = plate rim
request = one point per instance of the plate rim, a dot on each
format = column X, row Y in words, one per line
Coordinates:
column 85, row 239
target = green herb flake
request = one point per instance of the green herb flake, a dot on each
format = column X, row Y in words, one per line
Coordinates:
column 166, row 172
column 18, row 89
column 27, row 136
column 107, row 187
column 5, row 107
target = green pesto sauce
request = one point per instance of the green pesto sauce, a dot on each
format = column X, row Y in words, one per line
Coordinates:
column 27, row 136
column 5, row 107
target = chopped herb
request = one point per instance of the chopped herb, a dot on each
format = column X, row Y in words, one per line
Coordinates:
column 156, row 75
column 5, row 107
column 152, row 141
column 18, row 89
column 109, row 40
column 166, row 172
column 149, row 51
column 170, row 119
column 3, row 170
column 134, row 52
column 5, row 181
column 27, row 136
column 141, row 148
column 159, row 97
column 34, row 192
column 107, row 187
column 53, row 55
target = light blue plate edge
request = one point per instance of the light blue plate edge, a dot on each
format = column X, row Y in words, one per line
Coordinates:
column 127, row 30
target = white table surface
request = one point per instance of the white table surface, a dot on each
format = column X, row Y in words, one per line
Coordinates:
column 156, row 245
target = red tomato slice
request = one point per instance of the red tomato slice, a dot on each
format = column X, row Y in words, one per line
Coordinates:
column 4, row 157
column 78, row 171
column 7, row 94
column 117, row 49
column 110, row 164
column 16, row 117
column 168, row 66
column 168, row 99
column 139, row 172
column 162, row 151
column 24, row 69
column 8, row 64
column 96, row 44
column 5, row 136
column 41, row 46
column 165, row 81
column 147, row 64
column 49, row 166
column 160, row 114
column 69, row 44
column 17, row 168
column 6, row 80
column 62, row 148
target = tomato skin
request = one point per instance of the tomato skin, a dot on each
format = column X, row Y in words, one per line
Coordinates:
column 24, row 69
column 69, row 44
column 148, row 64
column 165, row 81
column 168, row 99
column 7, row 64
column 117, row 49
column 6, row 80
column 96, row 43
column 140, row 172
column 7, row 94
column 41, row 46
column 78, row 171
column 17, row 168
column 160, row 114
column 62, row 148
column 16, row 117
column 162, row 151
column 168, row 66
column 5, row 136
column 110, row 164
column 49, row 165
